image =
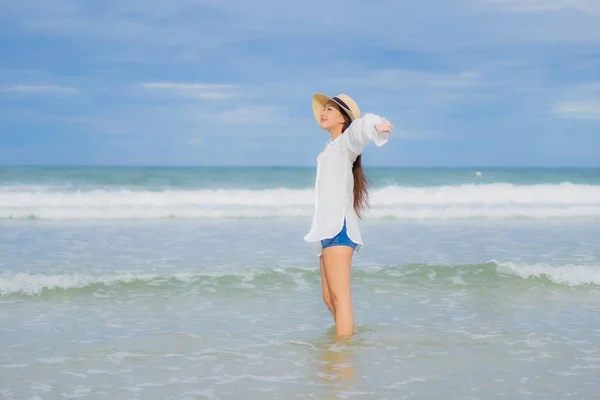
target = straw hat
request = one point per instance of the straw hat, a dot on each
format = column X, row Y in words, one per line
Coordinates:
column 343, row 100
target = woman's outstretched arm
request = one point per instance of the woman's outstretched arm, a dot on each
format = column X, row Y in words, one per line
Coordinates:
column 364, row 129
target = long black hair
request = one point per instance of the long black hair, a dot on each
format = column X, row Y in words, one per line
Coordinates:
column 361, row 184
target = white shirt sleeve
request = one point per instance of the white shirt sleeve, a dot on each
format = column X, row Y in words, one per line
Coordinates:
column 361, row 131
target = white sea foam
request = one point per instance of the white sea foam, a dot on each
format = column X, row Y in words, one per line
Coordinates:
column 36, row 284
column 566, row 274
column 30, row 284
column 501, row 200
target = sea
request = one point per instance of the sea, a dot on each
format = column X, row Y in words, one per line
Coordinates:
column 196, row 283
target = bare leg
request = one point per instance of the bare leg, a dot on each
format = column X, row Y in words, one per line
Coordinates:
column 325, row 287
column 337, row 262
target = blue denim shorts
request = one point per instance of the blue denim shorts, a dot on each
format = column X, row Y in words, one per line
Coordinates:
column 341, row 239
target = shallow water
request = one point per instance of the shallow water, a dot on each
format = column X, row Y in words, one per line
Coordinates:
column 195, row 283
column 219, row 309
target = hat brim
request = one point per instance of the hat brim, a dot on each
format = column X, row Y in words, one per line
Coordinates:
column 318, row 102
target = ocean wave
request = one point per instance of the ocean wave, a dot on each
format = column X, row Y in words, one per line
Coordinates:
column 570, row 274
column 500, row 200
column 30, row 284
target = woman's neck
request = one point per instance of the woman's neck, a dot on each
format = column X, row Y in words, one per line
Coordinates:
column 335, row 134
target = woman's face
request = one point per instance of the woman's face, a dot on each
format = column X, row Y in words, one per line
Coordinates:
column 331, row 118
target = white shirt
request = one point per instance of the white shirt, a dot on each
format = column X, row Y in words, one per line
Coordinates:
column 334, row 184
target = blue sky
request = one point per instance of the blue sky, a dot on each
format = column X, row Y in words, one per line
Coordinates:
column 207, row 82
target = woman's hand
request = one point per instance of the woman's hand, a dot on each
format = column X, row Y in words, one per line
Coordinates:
column 384, row 127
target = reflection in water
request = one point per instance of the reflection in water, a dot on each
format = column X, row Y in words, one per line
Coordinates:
column 335, row 366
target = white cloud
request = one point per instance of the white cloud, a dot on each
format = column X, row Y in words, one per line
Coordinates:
column 210, row 91
column 534, row 6
column 412, row 94
column 589, row 109
column 196, row 30
column 463, row 80
column 250, row 115
column 399, row 78
column 580, row 101
column 41, row 89
column 521, row 23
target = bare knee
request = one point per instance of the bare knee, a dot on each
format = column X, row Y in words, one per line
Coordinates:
column 339, row 298
column 328, row 301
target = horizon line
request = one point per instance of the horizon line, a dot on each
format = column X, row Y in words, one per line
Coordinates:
column 294, row 166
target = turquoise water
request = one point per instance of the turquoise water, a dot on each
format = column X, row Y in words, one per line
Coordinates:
column 91, row 193
column 273, row 177
column 195, row 283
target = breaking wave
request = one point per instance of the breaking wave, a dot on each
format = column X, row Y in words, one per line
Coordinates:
column 273, row 278
column 499, row 200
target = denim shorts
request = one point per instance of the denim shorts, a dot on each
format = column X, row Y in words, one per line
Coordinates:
column 341, row 239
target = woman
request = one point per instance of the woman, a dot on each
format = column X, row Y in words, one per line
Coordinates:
column 340, row 197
